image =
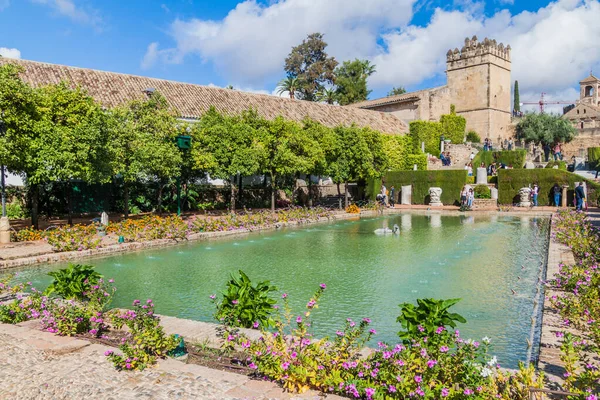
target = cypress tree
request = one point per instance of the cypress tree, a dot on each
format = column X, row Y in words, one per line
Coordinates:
column 517, row 102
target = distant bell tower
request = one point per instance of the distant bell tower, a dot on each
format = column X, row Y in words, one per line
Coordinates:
column 480, row 85
column 589, row 88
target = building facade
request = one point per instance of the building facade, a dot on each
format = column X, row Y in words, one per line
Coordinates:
column 478, row 84
column 585, row 116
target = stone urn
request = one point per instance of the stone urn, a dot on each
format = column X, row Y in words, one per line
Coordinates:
column 4, row 230
column 435, row 194
column 524, row 197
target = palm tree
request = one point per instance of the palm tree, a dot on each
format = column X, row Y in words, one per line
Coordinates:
column 290, row 85
column 327, row 95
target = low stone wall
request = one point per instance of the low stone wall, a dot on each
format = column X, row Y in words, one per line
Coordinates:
column 485, row 204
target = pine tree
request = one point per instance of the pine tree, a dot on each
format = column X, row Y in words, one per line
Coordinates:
column 517, row 103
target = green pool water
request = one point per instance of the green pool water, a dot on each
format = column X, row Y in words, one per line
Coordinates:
column 480, row 259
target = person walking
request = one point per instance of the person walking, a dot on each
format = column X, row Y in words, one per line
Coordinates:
column 557, row 194
column 534, row 195
column 384, row 193
column 510, row 144
column 463, row 196
column 557, row 155
column 472, row 156
column 470, row 198
column 579, row 196
column 469, row 169
column 392, row 196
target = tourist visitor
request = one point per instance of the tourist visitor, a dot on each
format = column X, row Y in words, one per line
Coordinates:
column 470, row 198
column 547, row 152
column 469, row 169
column 383, row 193
column 463, row 195
column 579, row 196
column 443, row 159
column 392, row 194
column 448, row 159
column 557, row 154
column 482, row 165
column 534, row 195
column 557, row 193
column 485, row 144
column 510, row 144
column 472, row 156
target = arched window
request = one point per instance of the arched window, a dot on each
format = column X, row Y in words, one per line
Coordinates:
column 589, row 91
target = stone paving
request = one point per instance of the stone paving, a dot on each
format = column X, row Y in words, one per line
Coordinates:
column 40, row 365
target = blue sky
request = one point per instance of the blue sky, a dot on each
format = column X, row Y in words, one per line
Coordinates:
column 213, row 42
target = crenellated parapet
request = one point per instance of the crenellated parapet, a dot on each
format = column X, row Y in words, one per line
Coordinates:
column 475, row 48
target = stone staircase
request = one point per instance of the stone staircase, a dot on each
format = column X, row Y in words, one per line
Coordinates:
column 459, row 153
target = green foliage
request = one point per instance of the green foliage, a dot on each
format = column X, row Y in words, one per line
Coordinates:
column 562, row 165
column 23, row 308
column 594, row 157
column 73, row 282
column 545, row 129
column 453, row 126
column 473, row 137
column 425, row 319
column 246, row 305
column 146, row 341
column 428, row 132
column 482, row 192
column 517, row 101
column 510, row 181
column 73, row 238
column 311, row 65
column 451, row 182
column 351, row 81
column 14, row 210
column 291, row 85
column 396, row 91
column 516, row 158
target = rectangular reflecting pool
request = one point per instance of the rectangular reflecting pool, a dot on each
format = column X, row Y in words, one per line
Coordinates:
column 493, row 263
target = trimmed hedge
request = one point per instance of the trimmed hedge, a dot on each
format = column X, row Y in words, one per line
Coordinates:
column 561, row 165
column 399, row 150
column 516, row 158
column 473, row 137
column 511, row 180
column 451, row 182
column 428, row 132
column 454, row 127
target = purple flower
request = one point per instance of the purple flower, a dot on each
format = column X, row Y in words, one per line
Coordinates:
column 283, row 296
column 255, row 325
column 234, row 302
column 285, row 365
column 323, row 286
column 108, row 352
column 418, row 378
column 212, row 296
column 339, row 333
column 299, row 320
column 445, row 392
column 444, row 349
column 372, row 331
column 468, row 392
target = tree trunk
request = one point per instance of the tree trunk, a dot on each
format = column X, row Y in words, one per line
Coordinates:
column 346, row 195
column 126, row 198
column 160, row 190
column 232, row 202
column 272, row 194
column 35, row 200
column 339, row 196
column 70, row 203
column 310, row 193
column 240, row 187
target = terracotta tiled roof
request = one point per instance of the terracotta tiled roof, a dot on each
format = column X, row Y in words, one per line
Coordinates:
column 191, row 101
column 412, row 96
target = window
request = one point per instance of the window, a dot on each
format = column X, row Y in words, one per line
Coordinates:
column 589, row 91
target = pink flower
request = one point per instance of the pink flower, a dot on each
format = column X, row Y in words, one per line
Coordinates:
column 444, row 349
column 299, row 320
column 108, row 352
column 445, row 392
column 418, row 378
column 255, row 325
column 212, row 296
column 323, row 286
column 431, row 363
column 468, row 392
column 283, row 296
column 285, row 365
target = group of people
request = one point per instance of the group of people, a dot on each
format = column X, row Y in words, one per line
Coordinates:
column 557, row 194
column 508, row 144
column 488, row 145
column 446, row 159
column 385, row 197
column 467, row 196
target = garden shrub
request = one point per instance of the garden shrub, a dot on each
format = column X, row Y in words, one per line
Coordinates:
column 150, row 228
column 473, row 137
column 428, row 132
column 245, row 305
column 562, row 165
column 29, row 234
column 73, row 282
column 516, row 158
column 510, row 181
column 594, row 157
column 453, row 127
column 451, row 182
column 419, row 159
column 353, row 209
column 24, row 307
column 146, row 340
column 425, row 319
column 482, row 192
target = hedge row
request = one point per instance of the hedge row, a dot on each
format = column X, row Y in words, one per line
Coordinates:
column 594, row 157
column 516, row 158
column 510, row 181
column 561, row 165
column 453, row 127
column 451, row 182
column 428, row 132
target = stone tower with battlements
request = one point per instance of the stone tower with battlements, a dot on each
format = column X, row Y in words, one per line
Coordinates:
column 479, row 83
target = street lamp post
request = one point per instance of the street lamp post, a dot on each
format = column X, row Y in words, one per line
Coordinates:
column 184, row 142
column 4, row 222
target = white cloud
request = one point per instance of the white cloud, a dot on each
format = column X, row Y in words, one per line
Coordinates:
column 69, row 9
column 10, row 53
column 552, row 48
column 154, row 55
column 250, row 44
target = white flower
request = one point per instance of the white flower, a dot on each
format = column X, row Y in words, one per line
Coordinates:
column 486, row 340
column 485, row 372
column 493, row 361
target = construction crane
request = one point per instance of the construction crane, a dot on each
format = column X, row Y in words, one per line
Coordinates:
column 542, row 103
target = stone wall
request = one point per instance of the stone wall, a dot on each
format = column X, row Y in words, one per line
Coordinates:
column 578, row 147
